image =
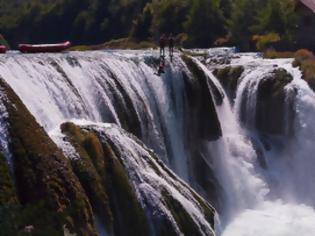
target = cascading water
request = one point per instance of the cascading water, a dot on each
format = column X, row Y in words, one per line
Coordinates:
column 104, row 87
column 286, row 205
column 120, row 87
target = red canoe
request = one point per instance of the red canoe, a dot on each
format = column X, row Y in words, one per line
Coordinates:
column 35, row 48
column 3, row 49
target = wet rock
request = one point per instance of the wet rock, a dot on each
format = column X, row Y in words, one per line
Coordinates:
column 229, row 78
column 139, row 187
column 274, row 110
column 201, row 102
column 50, row 194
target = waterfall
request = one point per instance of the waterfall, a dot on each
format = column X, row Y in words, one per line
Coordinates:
column 266, row 177
column 235, row 167
column 284, row 190
column 113, row 87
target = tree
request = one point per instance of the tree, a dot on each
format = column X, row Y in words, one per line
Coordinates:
column 243, row 17
column 277, row 17
column 204, row 23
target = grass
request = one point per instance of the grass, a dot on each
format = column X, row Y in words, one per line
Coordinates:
column 123, row 43
column 273, row 54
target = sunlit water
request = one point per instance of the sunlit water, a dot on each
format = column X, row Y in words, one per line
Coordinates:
column 278, row 201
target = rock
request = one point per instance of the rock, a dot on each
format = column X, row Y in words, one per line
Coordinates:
column 50, row 194
column 201, row 102
column 145, row 197
column 273, row 110
column 229, row 77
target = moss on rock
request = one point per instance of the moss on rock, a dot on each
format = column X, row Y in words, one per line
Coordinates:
column 201, row 102
column 45, row 182
column 130, row 216
column 182, row 218
column 7, row 189
column 106, row 182
column 229, row 76
column 90, row 169
column 272, row 112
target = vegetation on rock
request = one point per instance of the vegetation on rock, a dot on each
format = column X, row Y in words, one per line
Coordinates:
column 51, row 196
column 201, row 101
column 229, row 77
column 271, row 108
column 106, row 182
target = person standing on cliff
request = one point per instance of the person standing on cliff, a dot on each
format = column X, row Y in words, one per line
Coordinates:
column 171, row 44
column 162, row 45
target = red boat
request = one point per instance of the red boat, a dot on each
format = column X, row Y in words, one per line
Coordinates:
column 36, row 48
column 3, row 49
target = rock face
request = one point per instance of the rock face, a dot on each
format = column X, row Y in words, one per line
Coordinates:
column 49, row 194
column 229, row 77
column 274, row 109
column 204, row 125
column 140, row 194
column 201, row 101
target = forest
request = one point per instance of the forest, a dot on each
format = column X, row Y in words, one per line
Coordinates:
column 247, row 24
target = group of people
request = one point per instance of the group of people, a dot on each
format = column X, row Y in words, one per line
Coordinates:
column 164, row 41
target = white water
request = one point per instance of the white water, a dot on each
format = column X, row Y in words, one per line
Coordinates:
column 59, row 87
column 278, row 201
column 288, row 209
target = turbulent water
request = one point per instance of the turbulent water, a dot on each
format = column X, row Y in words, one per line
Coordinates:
column 121, row 87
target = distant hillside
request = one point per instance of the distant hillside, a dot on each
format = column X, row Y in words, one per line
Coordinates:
column 196, row 23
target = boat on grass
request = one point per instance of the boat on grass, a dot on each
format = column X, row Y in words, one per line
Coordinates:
column 41, row 48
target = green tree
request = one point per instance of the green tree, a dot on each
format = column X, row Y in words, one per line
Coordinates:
column 243, row 17
column 204, row 23
column 277, row 17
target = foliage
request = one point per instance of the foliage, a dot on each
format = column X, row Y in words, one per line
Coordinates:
column 229, row 77
column 262, row 41
column 273, row 54
column 204, row 23
column 199, row 23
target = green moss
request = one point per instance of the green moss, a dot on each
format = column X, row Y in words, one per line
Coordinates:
column 125, row 108
column 130, row 217
column 123, row 43
column 271, row 103
column 90, row 168
column 44, row 177
column 106, row 181
column 14, row 219
column 201, row 102
column 274, row 84
column 181, row 216
column 7, row 190
column 229, row 76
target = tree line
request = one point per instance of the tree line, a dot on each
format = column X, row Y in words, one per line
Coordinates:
column 247, row 24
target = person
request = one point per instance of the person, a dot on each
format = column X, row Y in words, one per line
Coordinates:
column 162, row 45
column 161, row 67
column 171, row 44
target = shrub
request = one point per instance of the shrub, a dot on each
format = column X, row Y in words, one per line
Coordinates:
column 273, row 54
column 262, row 41
column 302, row 55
